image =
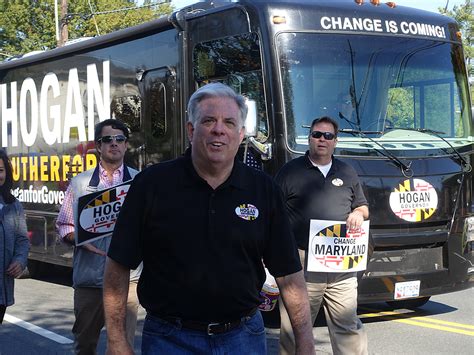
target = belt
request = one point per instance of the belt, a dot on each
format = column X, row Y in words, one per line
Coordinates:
column 208, row 328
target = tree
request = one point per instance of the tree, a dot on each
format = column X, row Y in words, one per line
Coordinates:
column 464, row 15
column 27, row 26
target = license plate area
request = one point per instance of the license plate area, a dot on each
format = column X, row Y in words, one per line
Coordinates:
column 408, row 289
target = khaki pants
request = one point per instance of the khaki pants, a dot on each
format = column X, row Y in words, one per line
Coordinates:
column 337, row 292
column 89, row 312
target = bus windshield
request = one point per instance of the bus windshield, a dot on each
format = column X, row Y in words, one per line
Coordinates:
column 386, row 87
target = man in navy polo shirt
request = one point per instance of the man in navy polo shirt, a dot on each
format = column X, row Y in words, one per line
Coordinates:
column 317, row 186
column 202, row 224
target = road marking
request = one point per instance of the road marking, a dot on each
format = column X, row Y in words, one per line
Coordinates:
column 38, row 330
column 445, row 322
column 422, row 322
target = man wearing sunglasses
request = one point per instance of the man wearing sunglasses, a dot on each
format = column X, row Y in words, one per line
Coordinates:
column 317, row 186
column 89, row 259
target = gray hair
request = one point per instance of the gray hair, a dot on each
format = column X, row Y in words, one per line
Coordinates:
column 214, row 90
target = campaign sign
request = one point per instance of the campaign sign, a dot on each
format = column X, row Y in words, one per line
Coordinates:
column 414, row 200
column 98, row 213
column 332, row 248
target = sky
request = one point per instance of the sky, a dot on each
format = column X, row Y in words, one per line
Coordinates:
column 429, row 5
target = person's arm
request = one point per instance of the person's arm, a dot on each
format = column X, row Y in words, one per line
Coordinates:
column 65, row 220
column 70, row 239
column 21, row 244
column 357, row 217
column 65, row 223
column 89, row 247
column 295, row 298
column 116, row 283
column 359, row 206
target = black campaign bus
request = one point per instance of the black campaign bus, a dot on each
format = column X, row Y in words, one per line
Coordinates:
column 401, row 71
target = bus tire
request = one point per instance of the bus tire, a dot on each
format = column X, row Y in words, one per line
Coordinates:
column 409, row 304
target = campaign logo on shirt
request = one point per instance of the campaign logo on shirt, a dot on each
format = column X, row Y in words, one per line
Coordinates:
column 247, row 211
column 337, row 182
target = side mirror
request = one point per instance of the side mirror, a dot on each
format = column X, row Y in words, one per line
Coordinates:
column 251, row 120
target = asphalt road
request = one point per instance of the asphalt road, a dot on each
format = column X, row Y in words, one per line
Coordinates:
column 41, row 320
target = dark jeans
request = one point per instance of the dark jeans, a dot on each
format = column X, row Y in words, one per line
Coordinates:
column 161, row 337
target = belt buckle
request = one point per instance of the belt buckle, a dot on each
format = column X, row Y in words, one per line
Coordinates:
column 209, row 330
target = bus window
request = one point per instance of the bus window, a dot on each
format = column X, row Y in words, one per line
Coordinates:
column 235, row 61
column 425, row 106
column 159, row 129
column 390, row 81
column 127, row 109
column 37, row 227
column 439, row 105
column 401, row 108
column 159, row 126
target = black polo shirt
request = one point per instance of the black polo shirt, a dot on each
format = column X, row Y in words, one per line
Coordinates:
column 202, row 249
column 310, row 195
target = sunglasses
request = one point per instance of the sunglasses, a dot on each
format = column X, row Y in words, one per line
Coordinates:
column 327, row 135
column 119, row 138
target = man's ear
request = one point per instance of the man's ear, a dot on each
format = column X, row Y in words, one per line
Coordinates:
column 242, row 134
column 97, row 147
column 190, row 131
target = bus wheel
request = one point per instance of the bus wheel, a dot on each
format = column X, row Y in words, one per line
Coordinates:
column 409, row 304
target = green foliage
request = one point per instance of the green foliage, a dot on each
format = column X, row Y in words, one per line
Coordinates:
column 400, row 109
column 464, row 15
column 404, row 105
column 27, row 26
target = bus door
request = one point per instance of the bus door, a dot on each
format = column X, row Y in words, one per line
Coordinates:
column 158, row 123
column 230, row 52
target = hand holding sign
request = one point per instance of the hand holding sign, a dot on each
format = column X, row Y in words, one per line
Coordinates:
column 354, row 221
column 333, row 248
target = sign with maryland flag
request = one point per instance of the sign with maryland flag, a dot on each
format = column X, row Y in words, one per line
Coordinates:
column 332, row 248
column 414, row 200
column 98, row 213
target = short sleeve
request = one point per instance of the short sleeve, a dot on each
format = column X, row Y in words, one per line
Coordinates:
column 126, row 244
column 359, row 197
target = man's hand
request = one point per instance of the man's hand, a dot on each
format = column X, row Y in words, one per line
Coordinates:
column 356, row 218
column 354, row 221
column 14, row 269
column 93, row 249
column 69, row 238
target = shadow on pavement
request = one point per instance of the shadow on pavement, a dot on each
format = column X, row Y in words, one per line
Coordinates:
column 382, row 312
column 56, row 274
